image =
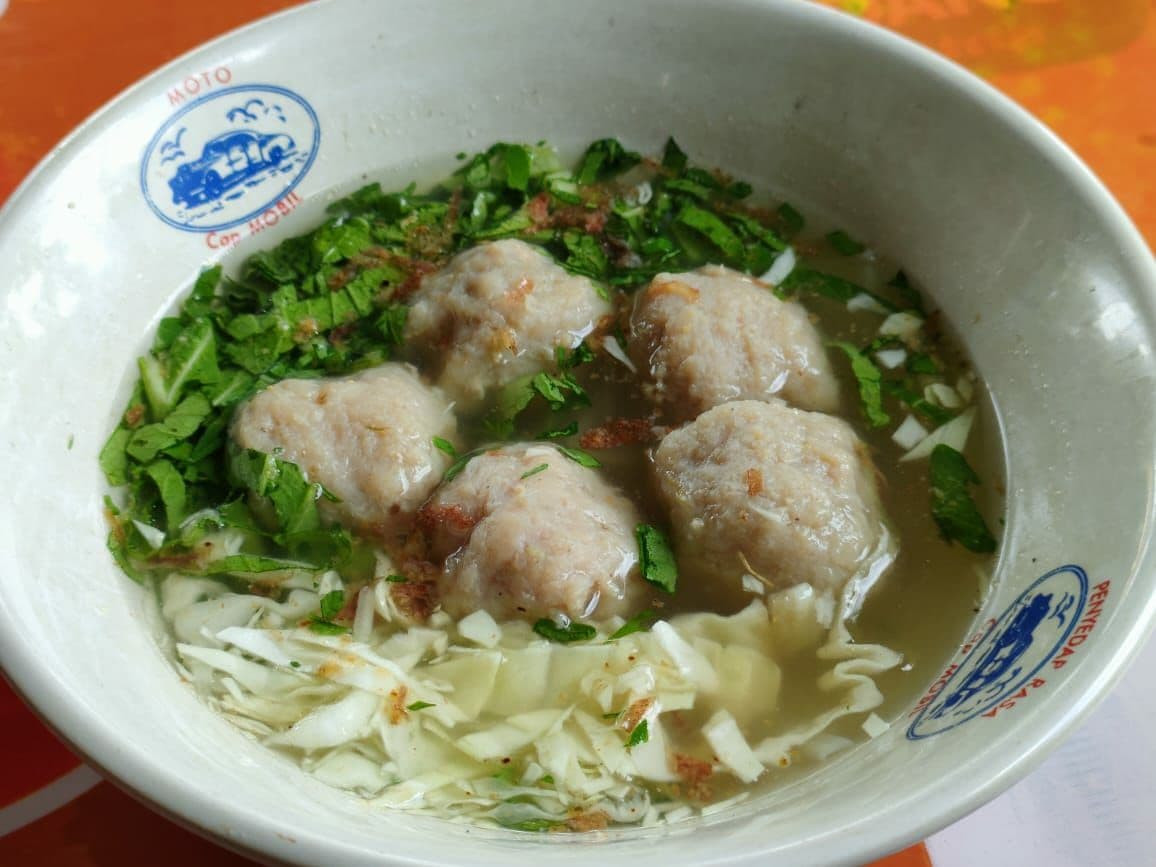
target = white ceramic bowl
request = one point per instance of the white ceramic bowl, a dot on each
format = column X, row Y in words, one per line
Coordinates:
column 1049, row 285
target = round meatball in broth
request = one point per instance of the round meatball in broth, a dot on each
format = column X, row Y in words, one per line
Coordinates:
column 497, row 312
column 524, row 533
column 714, row 335
column 761, row 487
column 367, row 438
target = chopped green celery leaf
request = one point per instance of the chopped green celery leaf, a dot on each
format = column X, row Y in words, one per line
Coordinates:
column 444, row 445
column 638, row 623
column 673, row 157
column 192, row 357
column 952, row 507
column 338, row 241
column 564, row 190
column 570, row 358
column 844, row 244
column 517, row 159
column 171, row 487
column 237, row 514
column 656, row 558
column 759, row 259
column 792, row 220
column 419, row 705
column 702, row 176
column 921, row 363
column 261, row 352
column 294, row 499
column 711, row 227
column 681, row 185
column 182, row 422
column 167, row 332
column 332, row 603
column 396, row 579
column 253, row 564
column 804, row 280
column 739, row 190
column 363, row 288
column 560, row 391
column 288, row 262
column 233, row 387
column 640, row 734
column 870, row 381
column 910, row 295
column 512, row 398
column 459, row 465
column 559, row 433
column 118, row 541
column 391, row 323
column 580, row 457
column 211, row 439
column 605, row 159
column 205, row 287
column 534, row 471
column 757, row 231
column 113, row 460
column 917, row 403
column 509, row 225
column 324, row 627
column 584, row 255
column 324, row 548
column 574, row 631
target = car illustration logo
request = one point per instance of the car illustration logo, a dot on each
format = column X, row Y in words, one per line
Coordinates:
column 225, row 158
column 1033, row 629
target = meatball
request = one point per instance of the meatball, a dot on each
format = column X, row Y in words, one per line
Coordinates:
column 714, row 335
column 497, row 312
column 367, row 438
column 785, row 493
column 523, row 541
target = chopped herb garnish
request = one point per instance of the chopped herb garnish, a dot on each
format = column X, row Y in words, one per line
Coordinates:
column 570, row 358
column 327, row 627
column 656, row 558
column 844, row 244
column 614, row 714
column 459, row 465
column 638, row 623
column 396, row 579
column 419, row 705
column 870, row 381
column 535, row 471
column 559, row 433
column 293, row 663
column 792, row 220
column 579, row 457
column 952, row 506
column 332, row 603
column 640, row 734
column 574, row 631
column 673, row 157
column 922, row 363
column 444, row 445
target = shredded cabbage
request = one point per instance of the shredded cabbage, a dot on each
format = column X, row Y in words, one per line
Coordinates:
column 489, row 722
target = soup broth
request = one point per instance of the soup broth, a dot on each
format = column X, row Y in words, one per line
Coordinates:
column 324, row 638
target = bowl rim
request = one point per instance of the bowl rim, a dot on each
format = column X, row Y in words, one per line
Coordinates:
column 194, row 808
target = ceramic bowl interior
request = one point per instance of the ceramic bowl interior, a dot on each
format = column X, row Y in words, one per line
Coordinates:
column 1048, row 285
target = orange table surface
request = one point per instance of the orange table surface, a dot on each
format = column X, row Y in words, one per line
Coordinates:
column 1084, row 67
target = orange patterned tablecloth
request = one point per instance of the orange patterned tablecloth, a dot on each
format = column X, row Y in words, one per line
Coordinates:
column 1084, row 67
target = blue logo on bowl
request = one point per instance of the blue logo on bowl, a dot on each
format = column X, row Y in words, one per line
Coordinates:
column 1033, row 629
column 226, row 157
